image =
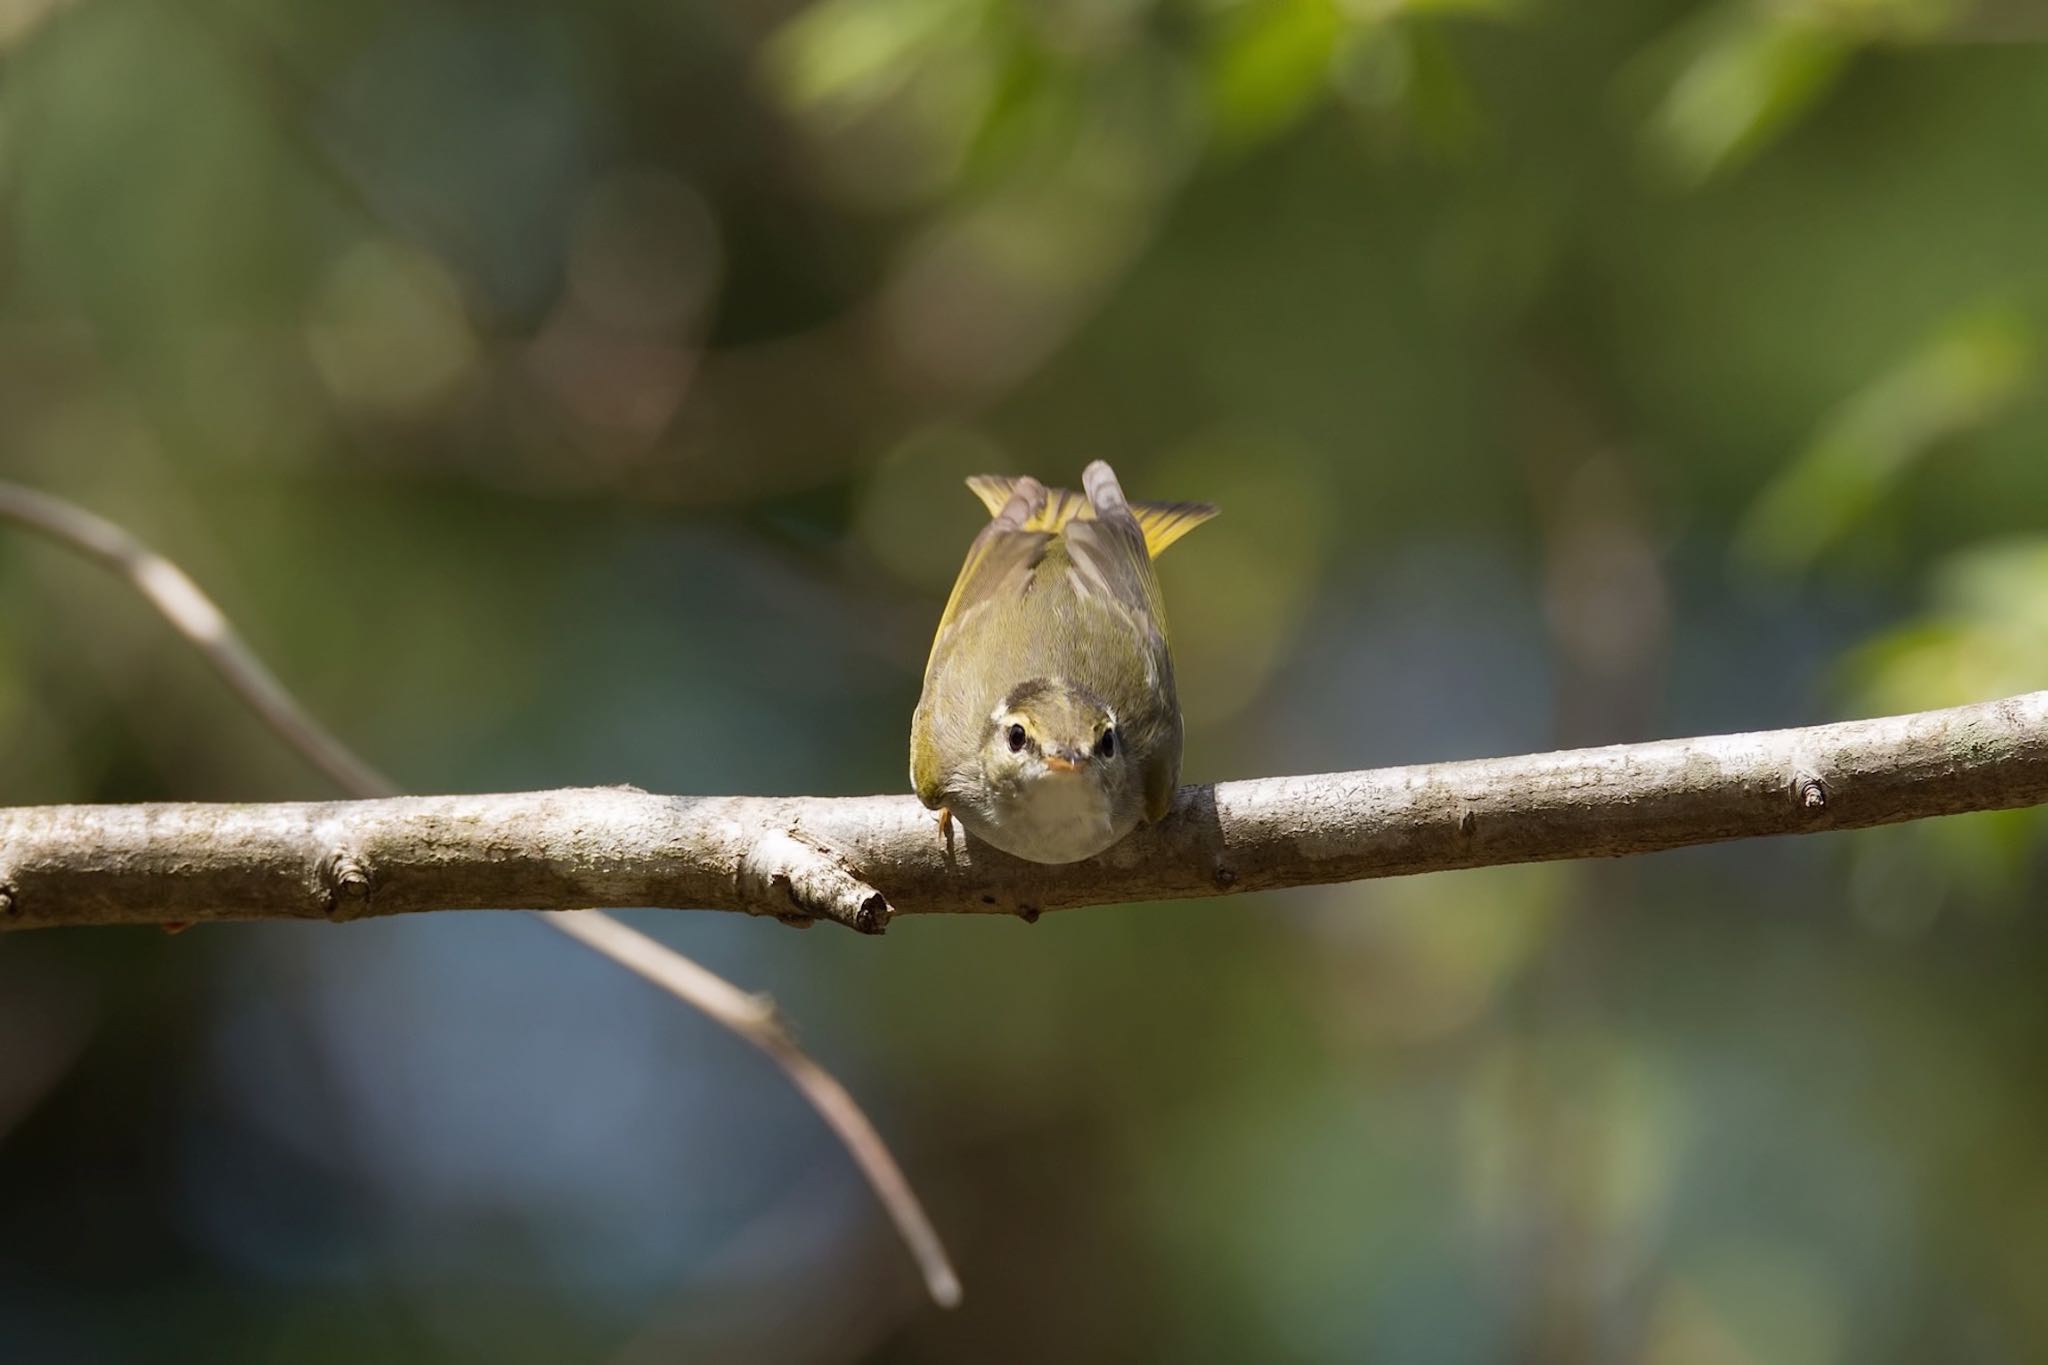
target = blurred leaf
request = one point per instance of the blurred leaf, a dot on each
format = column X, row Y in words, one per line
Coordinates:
column 1440, row 100
column 896, row 91
column 1985, row 635
column 1273, row 61
column 1019, row 96
column 854, row 52
column 1498, row 9
column 1406, row 76
column 1963, row 377
column 1744, row 74
column 1736, row 76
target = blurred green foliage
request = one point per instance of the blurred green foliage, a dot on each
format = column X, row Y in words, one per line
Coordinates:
column 581, row 394
column 1967, row 375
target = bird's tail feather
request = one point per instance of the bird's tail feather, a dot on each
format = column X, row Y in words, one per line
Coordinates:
column 1038, row 508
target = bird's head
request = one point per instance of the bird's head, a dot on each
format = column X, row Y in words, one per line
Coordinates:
column 1048, row 730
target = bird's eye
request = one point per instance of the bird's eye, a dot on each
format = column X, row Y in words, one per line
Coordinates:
column 1106, row 746
column 1016, row 739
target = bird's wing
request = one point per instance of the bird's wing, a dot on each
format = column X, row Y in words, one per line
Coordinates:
column 998, row 566
column 1113, row 566
column 1110, row 567
column 999, row 561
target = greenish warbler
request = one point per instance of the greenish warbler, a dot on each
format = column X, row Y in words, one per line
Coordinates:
column 1049, row 725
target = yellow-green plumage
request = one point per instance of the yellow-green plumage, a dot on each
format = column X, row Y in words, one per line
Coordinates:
column 1055, row 635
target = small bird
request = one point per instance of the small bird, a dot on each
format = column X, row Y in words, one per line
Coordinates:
column 1049, row 725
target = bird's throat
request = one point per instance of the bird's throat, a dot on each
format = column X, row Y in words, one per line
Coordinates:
column 1056, row 818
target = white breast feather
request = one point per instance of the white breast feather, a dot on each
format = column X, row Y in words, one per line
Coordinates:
column 1054, row 819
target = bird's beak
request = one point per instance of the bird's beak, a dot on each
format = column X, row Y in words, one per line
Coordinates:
column 1063, row 763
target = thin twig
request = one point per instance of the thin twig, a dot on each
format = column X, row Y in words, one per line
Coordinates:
column 756, row 1020
column 194, row 616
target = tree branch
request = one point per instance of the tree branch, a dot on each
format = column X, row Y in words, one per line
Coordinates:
column 858, row 860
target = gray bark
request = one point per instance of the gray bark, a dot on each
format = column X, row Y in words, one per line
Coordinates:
column 860, row 860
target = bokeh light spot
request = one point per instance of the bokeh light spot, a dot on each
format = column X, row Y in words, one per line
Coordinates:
column 389, row 333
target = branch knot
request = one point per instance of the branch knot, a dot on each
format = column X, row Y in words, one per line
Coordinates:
column 347, row 881
column 782, row 869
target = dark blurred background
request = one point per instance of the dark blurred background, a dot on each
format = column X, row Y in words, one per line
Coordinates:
column 580, row 394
